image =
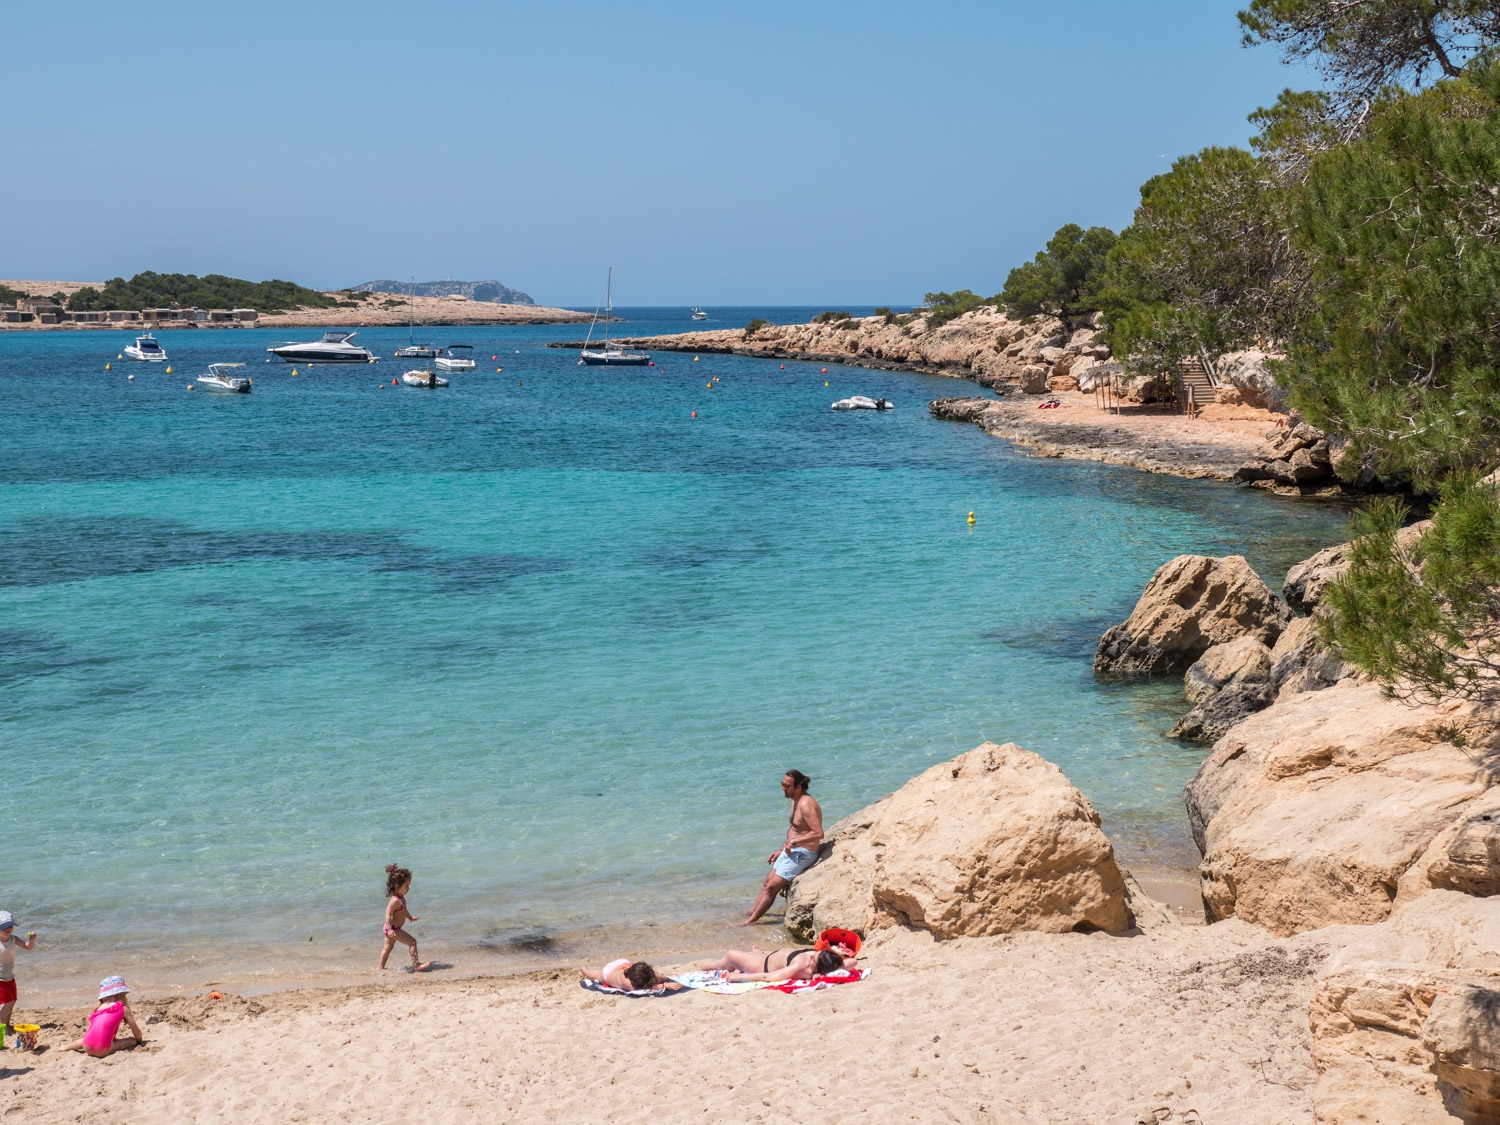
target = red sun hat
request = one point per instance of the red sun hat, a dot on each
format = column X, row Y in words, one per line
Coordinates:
column 835, row 936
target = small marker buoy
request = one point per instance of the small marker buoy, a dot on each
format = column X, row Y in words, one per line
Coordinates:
column 294, row 373
column 499, row 369
column 130, row 378
column 518, row 382
column 518, row 351
column 190, row 386
column 393, row 382
column 825, row 382
column 710, row 386
column 120, row 356
column 783, row 367
column 107, row 367
column 695, row 359
column 695, row 414
column 971, row 517
column 169, row 371
column 494, row 357
column 823, row 372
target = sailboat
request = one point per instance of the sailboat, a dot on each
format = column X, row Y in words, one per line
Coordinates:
column 610, row 355
column 414, row 350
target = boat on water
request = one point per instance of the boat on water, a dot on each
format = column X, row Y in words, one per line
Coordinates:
column 431, row 380
column 609, row 355
column 414, row 350
column 146, row 349
column 862, row 402
column 334, row 347
column 699, row 314
column 455, row 357
column 220, row 381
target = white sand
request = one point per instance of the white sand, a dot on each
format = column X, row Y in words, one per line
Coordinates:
column 1209, row 1023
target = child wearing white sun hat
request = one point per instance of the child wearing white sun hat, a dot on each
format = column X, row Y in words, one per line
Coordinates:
column 9, row 943
column 113, row 1009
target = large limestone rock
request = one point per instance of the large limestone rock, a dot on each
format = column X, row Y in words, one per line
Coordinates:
column 1295, row 459
column 1033, row 378
column 1242, row 660
column 1404, row 1020
column 1307, row 581
column 1216, row 715
column 1301, row 662
column 1191, row 604
column 1248, row 374
column 1313, row 811
column 995, row 841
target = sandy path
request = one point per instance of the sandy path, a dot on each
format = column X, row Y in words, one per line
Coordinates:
column 1207, row 1023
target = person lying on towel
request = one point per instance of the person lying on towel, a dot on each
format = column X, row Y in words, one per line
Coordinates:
column 630, row 976
column 781, row 965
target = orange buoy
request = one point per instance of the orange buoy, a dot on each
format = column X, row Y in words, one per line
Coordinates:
column 783, row 367
column 695, row 414
column 824, row 371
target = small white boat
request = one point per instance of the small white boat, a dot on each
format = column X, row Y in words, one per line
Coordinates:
column 860, row 402
column 414, row 350
column 429, row 379
column 455, row 357
column 610, row 355
column 417, row 351
column 334, row 347
column 220, row 381
column 699, row 314
column 146, row 349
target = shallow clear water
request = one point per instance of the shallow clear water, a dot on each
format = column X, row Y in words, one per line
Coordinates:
column 551, row 645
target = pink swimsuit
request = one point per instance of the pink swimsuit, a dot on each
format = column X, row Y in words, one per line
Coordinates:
column 103, row 1023
column 386, row 926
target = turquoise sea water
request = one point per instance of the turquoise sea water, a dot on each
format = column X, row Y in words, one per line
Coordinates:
column 551, row 645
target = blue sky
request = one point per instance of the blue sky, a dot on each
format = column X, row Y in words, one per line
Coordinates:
column 782, row 153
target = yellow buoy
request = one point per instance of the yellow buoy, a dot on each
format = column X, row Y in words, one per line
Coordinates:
column 971, row 517
column 695, row 359
column 169, row 371
column 121, row 356
column 107, row 367
column 825, row 382
column 190, row 386
column 294, row 373
column 710, row 386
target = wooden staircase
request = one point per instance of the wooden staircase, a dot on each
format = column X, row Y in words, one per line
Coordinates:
column 1194, row 385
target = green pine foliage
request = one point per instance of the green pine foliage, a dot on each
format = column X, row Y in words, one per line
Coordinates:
column 940, row 308
column 831, row 317
column 1424, row 616
column 1401, row 351
column 1063, row 279
column 9, row 296
column 755, row 326
column 184, row 290
column 1206, row 267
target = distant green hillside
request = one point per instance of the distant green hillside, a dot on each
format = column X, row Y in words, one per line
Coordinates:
column 184, row 290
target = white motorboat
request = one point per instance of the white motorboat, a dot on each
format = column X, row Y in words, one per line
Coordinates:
column 146, row 349
column 428, row 379
column 334, row 347
column 414, row 350
column 610, row 355
column 455, row 357
column 699, row 314
column 220, row 381
column 860, row 402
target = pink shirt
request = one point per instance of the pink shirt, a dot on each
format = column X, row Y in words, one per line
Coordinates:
column 103, row 1023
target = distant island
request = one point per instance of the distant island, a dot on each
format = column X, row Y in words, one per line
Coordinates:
column 474, row 290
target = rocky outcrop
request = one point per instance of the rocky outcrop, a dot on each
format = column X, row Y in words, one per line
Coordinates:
column 984, row 345
column 1191, row 604
column 995, row 841
column 1293, row 461
column 1301, row 662
column 1327, row 806
column 1246, row 374
column 1307, row 581
column 1242, row 660
column 1404, row 1018
column 1213, row 718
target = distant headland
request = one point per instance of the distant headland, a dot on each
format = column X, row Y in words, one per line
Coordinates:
column 152, row 300
column 492, row 291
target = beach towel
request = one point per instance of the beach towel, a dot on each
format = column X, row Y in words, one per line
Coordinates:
column 717, row 983
column 634, row 994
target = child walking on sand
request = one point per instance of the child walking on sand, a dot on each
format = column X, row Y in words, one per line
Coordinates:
column 113, row 1009
column 9, row 943
column 397, row 884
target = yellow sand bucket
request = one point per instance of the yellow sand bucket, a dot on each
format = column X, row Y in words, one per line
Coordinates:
column 25, row 1035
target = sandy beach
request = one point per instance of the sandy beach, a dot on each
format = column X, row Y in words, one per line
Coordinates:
column 1185, row 1024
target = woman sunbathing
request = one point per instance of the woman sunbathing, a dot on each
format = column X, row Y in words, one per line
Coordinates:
column 781, row 965
column 630, row 976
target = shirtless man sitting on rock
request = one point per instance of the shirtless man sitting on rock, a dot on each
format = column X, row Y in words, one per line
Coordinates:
column 799, row 851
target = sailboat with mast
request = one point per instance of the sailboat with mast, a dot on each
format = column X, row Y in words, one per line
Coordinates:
column 414, row 350
column 610, row 355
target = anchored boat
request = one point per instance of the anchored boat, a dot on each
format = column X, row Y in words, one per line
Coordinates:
column 334, row 347
column 610, row 355
column 220, row 381
column 146, row 349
